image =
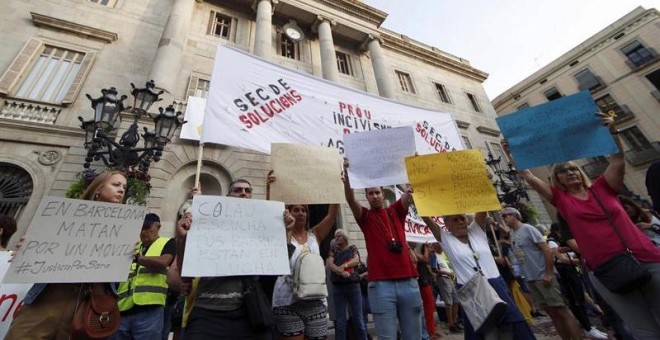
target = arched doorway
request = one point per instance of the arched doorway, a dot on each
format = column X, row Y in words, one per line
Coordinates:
column 15, row 189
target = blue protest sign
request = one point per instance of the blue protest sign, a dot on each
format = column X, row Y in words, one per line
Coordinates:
column 561, row 130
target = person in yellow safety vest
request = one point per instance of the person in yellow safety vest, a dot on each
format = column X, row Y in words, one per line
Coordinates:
column 142, row 297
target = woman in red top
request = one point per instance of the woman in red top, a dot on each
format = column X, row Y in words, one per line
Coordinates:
column 577, row 200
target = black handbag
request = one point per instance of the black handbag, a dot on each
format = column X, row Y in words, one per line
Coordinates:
column 257, row 304
column 621, row 273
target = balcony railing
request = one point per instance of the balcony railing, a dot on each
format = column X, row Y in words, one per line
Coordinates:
column 594, row 169
column 25, row 110
column 637, row 157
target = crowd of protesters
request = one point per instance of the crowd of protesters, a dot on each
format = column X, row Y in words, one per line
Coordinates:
column 398, row 285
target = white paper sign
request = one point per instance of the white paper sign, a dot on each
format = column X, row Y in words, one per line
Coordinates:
column 253, row 103
column 194, row 118
column 11, row 296
column 78, row 241
column 377, row 157
column 235, row 236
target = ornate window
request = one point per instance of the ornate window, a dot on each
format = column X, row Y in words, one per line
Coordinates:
column 405, row 82
column 473, row 101
column 344, row 63
column 222, row 26
column 289, row 48
column 15, row 189
column 443, row 93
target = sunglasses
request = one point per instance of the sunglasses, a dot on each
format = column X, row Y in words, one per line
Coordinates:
column 237, row 190
column 565, row 171
column 505, row 215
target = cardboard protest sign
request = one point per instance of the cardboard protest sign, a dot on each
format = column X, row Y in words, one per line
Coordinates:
column 77, row 241
column 560, row 130
column 253, row 103
column 376, row 157
column 306, row 174
column 11, row 296
column 414, row 227
column 451, row 183
column 235, row 236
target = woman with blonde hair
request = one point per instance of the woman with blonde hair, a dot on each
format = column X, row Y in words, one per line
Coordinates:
column 48, row 308
column 604, row 231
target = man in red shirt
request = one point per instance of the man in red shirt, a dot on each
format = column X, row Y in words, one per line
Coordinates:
column 393, row 290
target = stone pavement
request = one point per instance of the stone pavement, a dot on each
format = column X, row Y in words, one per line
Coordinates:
column 543, row 329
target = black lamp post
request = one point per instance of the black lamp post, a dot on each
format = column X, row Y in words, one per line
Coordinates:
column 125, row 155
column 508, row 181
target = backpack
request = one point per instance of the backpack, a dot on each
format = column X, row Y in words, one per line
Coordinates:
column 309, row 277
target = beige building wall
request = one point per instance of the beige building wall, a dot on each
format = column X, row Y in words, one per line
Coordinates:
column 632, row 83
column 122, row 42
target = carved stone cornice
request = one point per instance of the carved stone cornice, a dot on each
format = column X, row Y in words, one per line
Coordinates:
column 43, row 134
column 45, row 21
column 488, row 131
column 357, row 9
column 461, row 124
column 407, row 47
column 319, row 20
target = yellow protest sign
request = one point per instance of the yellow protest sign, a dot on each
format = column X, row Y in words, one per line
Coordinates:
column 450, row 183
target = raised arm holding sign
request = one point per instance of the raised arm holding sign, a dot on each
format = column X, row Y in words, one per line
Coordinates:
column 377, row 156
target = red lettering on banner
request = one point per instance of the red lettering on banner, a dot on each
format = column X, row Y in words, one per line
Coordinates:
column 5, row 297
column 270, row 109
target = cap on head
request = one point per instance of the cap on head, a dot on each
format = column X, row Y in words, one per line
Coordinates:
column 512, row 211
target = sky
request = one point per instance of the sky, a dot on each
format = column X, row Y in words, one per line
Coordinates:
column 508, row 39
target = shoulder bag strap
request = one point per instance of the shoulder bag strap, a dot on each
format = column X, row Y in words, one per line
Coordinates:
column 474, row 255
column 611, row 220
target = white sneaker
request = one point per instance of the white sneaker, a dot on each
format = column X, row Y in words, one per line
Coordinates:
column 594, row 333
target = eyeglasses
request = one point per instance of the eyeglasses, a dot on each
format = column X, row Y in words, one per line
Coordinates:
column 505, row 215
column 565, row 171
column 237, row 190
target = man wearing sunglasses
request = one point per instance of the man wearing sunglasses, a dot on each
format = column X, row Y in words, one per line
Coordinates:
column 219, row 311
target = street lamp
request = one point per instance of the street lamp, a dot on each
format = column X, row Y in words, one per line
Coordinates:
column 508, row 181
column 125, row 155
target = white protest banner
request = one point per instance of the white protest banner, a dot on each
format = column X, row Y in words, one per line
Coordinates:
column 194, row 118
column 253, row 103
column 306, row 174
column 235, row 236
column 377, row 157
column 77, row 241
column 11, row 296
column 414, row 227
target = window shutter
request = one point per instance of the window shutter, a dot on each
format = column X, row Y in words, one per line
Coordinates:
column 18, row 66
column 77, row 83
column 209, row 28
column 192, row 86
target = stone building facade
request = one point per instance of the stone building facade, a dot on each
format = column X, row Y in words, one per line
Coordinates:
column 620, row 66
column 54, row 51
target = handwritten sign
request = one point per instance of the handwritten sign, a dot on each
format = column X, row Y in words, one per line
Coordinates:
column 235, row 236
column 77, row 241
column 560, row 130
column 11, row 296
column 376, row 157
column 306, row 174
column 451, row 183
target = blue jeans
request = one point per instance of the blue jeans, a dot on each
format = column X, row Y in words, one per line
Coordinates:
column 351, row 295
column 392, row 298
column 143, row 325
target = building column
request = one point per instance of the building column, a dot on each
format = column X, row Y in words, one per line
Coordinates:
column 328, row 56
column 263, row 39
column 167, row 62
column 381, row 68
